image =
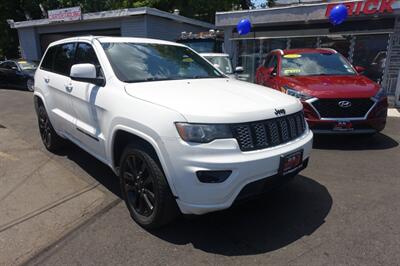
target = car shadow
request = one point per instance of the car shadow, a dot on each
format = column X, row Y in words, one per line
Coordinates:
column 269, row 223
column 261, row 225
column 378, row 141
column 93, row 167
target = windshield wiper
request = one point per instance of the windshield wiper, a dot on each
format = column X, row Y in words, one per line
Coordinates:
column 205, row 77
column 147, row 79
column 199, row 77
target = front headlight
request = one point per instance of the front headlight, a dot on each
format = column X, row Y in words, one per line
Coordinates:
column 380, row 94
column 295, row 93
column 203, row 133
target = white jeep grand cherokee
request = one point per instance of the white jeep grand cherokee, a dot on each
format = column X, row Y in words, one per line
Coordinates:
column 179, row 134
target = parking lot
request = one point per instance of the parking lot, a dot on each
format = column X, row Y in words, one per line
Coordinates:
column 65, row 209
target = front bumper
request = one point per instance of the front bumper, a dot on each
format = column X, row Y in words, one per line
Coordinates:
column 368, row 126
column 195, row 197
column 373, row 122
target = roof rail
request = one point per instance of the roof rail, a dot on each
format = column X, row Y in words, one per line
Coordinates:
column 278, row 50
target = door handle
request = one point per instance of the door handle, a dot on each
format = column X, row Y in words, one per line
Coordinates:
column 68, row 88
column 47, row 80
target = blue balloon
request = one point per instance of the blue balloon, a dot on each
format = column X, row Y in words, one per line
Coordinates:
column 244, row 26
column 338, row 14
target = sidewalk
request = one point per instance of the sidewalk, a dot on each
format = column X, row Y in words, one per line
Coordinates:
column 40, row 200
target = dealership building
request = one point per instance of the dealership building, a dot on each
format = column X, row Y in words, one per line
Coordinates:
column 370, row 37
column 35, row 35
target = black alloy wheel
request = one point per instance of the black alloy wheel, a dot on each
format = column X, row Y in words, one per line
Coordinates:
column 49, row 137
column 145, row 189
column 44, row 127
column 139, row 185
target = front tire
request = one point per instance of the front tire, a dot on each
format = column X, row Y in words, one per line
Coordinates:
column 145, row 190
column 49, row 137
column 30, row 85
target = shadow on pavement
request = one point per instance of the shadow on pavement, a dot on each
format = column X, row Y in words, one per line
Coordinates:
column 259, row 226
column 96, row 169
column 354, row 142
column 271, row 222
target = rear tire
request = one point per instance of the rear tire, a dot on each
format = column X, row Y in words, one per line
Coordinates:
column 51, row 140
column 145, row 190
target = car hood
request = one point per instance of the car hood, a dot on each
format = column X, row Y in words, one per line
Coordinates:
column 334, row 86
column 215, row 100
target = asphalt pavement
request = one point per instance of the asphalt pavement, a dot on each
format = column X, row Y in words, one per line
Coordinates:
column 343, row 209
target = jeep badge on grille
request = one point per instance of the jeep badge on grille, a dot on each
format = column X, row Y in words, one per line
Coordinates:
column 279, row 112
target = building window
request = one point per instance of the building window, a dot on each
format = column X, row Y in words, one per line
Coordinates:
column 370, row 52
column 311, row 42
column 271, row 44
column 249, row 58
column 340, row 43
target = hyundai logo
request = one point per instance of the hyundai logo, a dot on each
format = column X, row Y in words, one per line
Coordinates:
column 344, row 104
column 279, row 112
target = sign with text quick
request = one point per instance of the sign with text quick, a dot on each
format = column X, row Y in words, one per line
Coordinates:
column 367, row 7
column 65, row 14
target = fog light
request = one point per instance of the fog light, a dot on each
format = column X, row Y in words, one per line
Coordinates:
column 213, row 176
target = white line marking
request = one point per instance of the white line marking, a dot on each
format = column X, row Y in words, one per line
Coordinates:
column 393, row 112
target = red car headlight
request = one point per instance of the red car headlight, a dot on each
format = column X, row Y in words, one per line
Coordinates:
column 295, row 93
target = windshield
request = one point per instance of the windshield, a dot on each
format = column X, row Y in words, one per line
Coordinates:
column 223, row 62
column 25, row 65
column 315, row 64
column 139, row 62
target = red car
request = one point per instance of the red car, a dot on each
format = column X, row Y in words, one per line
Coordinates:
column 336, row 97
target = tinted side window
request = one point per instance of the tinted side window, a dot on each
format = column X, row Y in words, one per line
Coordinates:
column 64, row 58
column 266, row 60
column 47, row 63
column 85, row 54
column 8, row 65
column 4, row 65
column 272, row 62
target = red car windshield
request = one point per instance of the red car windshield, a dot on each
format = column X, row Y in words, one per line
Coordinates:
column 315, row 64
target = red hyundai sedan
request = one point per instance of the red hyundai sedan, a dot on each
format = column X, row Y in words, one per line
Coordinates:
column 336, row 97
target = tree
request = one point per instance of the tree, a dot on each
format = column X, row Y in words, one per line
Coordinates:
column 9, row 38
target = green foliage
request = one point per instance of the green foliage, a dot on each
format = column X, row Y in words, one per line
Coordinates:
column 24, row 9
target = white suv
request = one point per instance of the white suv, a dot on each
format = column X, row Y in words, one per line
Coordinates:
column 179, row 134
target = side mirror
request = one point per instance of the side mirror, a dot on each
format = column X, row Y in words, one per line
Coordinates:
column 86, row 73
column 14, row 68
column 359, row 69
column 239, row 70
